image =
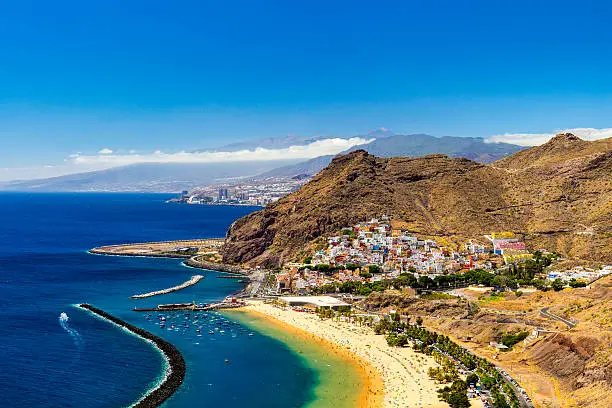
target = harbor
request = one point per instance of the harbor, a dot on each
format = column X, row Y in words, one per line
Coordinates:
column 231, row 303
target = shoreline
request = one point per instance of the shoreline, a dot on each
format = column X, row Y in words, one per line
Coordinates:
column 174, row 372
column 372, row 391
column 167, row 249
column 395, row 377
column 194, row 279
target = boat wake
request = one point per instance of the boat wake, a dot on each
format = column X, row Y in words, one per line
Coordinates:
column 63, row 321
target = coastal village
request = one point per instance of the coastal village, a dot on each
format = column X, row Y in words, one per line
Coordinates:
column 373, row 251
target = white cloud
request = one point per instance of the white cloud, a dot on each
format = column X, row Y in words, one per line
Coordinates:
column 534, row 139
column 309, row 151
column 105, row 158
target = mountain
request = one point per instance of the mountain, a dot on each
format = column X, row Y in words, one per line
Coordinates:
column 146, row 177
column 312, row 166
column 266, row 143
column 160, row 177
column 474, row 148
column 388, row 144
column 556, row 196
column 291, row 140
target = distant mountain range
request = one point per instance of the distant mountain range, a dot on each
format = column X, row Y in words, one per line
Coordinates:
column 391, row 145
column 158, row 177
column 146, row 177
column 266, row 143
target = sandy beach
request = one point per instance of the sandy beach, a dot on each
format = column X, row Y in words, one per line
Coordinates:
column 393, row 377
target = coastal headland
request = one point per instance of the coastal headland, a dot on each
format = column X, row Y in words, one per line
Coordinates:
column 198, row 253
column 392, row 377
column 175, row 373
column 164, row 249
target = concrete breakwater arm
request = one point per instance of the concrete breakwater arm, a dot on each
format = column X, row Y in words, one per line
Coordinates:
column 194, row 279
column 175, row 373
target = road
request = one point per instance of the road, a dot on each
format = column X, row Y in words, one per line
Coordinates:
column 546, row 313
column 257, row 283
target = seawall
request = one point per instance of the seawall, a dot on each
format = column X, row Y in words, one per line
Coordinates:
column 195, row 262
column 194, row 279
column 176, row 364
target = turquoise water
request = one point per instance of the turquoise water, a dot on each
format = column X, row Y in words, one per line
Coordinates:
column 85, row 362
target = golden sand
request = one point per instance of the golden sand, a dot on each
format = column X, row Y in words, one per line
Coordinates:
column 391, row 377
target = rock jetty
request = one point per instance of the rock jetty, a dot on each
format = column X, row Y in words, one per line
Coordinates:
column 176, row 364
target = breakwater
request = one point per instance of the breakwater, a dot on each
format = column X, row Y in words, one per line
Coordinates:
column 175, row 373
column 178, row 307
column 194, row 279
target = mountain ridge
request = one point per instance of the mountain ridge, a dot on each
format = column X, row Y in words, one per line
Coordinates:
column 555, row 198
column 410, row 145
column 168, row 177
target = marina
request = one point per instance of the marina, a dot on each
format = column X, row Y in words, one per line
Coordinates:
column 203, row 307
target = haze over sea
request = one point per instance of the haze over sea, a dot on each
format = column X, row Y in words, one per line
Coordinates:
column 49, row 360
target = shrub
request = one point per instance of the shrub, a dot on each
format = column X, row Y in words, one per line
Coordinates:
column 510, row 339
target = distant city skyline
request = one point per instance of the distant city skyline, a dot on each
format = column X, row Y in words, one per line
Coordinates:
column 86, row 86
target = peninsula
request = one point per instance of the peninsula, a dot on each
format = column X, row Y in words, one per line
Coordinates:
column 198, row 253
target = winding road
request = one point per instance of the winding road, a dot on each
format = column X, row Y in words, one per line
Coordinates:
column 546, row 313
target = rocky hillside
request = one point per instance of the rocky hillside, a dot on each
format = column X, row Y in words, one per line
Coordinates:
column 558, row 195
column 562, row 368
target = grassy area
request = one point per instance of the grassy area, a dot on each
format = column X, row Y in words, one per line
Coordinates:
column 492, row 298
column 437, row 296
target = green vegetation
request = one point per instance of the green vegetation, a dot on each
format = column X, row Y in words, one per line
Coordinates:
column 374, row 269
column 395, row 340
column 440, row 346
column 437, row 296
column 351, row 233
column 446, row 373
column 455, row 395
column 577, row 284
column 510, row 339
column 472, row 378
column 405, row 279
column 557, row 285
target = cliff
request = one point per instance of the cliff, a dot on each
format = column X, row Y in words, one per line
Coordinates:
column 558, row 196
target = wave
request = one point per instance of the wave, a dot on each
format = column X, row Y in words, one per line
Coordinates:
column 76, row 336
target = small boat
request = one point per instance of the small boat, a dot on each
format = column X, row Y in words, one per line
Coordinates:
column 251, row 334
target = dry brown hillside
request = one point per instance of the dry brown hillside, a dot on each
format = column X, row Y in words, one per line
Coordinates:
column 557, row 195
column 566, row 367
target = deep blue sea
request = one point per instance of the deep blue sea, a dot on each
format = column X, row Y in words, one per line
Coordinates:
column 86, row 362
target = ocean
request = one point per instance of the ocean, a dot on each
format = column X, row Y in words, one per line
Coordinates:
column 55, row 355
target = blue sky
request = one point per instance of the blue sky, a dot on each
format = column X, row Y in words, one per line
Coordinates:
column 78, row 76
